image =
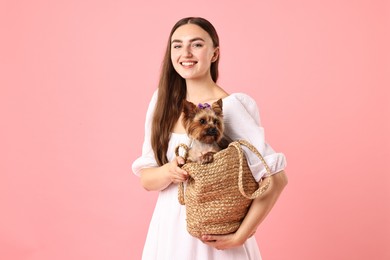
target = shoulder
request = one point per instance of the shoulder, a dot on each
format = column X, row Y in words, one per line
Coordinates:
column 241, row 103
column 153, row 100
column 243, row 98
column 154, row 96
column 152, row 105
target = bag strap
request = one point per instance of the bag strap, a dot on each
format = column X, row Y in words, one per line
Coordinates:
column 180, row 193
column 262, row 186
column 181, row 185
column 186, row 149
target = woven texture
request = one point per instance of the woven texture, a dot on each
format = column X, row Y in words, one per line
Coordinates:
column 218, row 194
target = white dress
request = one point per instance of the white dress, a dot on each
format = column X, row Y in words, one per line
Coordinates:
column 167, row 238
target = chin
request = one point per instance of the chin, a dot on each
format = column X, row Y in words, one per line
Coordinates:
column 192, row 76
column 209, row 139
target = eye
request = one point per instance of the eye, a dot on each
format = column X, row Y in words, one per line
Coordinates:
column 202, row 121
column 176, row 46
column 197, row 45
column 216, row 121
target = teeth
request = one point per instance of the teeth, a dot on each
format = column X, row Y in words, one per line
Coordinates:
column 188, row 63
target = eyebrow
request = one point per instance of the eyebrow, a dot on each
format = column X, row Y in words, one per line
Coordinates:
column 192, row 40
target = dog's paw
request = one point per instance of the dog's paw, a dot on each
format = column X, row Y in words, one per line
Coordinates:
column 207, row 158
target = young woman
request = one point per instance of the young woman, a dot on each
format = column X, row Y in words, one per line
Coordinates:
column 190, row 71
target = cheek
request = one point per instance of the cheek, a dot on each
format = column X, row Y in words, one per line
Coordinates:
column 173, row 58
column 174, row 61
column 207, row 56
column 175, row 55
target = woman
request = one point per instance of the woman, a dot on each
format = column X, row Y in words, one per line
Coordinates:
column 190, row 71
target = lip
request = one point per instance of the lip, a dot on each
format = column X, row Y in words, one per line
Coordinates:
column 188, row 63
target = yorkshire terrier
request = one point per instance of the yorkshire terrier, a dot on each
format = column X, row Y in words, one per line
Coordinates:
column 204, row 125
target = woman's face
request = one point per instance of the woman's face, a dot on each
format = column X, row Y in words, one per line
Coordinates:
column 192, row 52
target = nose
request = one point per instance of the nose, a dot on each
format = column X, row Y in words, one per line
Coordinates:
column 188, row 52
column 212, row 131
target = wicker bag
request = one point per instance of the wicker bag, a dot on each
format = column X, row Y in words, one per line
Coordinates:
column 218, row 194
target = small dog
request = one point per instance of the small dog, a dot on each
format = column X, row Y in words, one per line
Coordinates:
column 204, row 125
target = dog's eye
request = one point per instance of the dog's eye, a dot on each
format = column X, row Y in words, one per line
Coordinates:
column 216, row 121
column 202, row 121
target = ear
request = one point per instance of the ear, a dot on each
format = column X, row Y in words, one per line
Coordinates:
column 189, row 109
column 216, row 55
column 217, row 107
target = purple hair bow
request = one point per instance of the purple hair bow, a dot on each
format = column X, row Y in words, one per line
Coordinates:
column 204, row 106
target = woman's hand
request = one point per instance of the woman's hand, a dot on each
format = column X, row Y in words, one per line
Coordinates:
column 158, row 178
column 175, row 173
column 222, row 242
column 258, row 210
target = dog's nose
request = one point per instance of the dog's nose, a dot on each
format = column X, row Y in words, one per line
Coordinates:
column 212, row 131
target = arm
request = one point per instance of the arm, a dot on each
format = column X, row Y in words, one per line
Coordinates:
column 258, row 210
column 158, row 178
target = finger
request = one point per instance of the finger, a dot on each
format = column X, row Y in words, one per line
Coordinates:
column 180, row 160
column 209, row 238
column 178, row 178
column 181, row 171
column 181, row 177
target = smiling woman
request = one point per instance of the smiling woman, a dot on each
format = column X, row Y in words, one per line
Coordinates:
column 190, row 72
column 191, row 45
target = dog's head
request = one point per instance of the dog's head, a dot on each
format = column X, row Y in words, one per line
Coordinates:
column 203, row 122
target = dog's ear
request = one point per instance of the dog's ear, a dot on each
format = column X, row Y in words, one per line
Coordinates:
column 189, row 109
column 217, row 107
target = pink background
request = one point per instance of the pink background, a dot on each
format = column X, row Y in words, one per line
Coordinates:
column 76, row 78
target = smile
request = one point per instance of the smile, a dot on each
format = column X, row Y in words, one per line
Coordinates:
column 188, row 63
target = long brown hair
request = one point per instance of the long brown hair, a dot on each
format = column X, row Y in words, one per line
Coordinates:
column 172, row 91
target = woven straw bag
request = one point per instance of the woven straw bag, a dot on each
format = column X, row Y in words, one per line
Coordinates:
column 218, row 194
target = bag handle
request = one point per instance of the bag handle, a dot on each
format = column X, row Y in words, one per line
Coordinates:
column 262, row 187
column 181, row 185
column 186, row 149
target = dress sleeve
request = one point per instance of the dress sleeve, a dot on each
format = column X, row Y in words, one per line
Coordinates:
column 147, row 160
column 242, row 121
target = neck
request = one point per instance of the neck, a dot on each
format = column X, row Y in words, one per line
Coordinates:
column 200, row 89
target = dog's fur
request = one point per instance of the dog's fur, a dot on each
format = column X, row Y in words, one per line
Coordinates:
column 204, row 125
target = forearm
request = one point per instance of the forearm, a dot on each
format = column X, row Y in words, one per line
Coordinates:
column 261, row 206
column 155, row 178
